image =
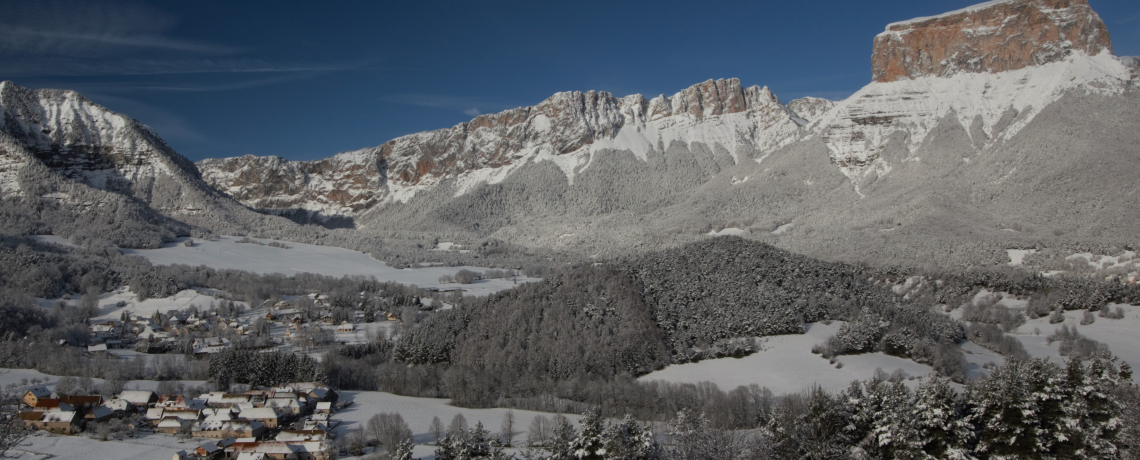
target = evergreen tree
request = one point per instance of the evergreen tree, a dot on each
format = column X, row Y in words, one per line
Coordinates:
column 590, row 444
column 628, row 440
column 562, row 436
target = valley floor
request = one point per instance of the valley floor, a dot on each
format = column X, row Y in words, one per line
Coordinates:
column 226, row 253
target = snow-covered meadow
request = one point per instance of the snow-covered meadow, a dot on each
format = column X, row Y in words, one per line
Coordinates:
column 786, row 365
column 226, row 253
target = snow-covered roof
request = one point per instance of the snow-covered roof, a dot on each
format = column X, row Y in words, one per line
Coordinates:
column 117, row 404
column 235, row 425
column 268, row 447
column 968, row 9
column 138, row 397
column 170, row 422
column 184, row 414
column 301, row 435
column 155, row 413
column 58, row 416
column 324, row 405
column 259, row 413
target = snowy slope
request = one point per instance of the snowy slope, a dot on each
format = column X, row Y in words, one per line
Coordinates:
column 84, row 141
column 225, row 253
column 786, row 365
column 568, row 129
column 992, row 107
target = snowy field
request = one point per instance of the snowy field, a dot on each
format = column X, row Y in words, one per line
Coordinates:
column 16, row 377
column 1121, row 335
column 226, row 253
column 787, row 365
column 148, row 446
column 418, row 412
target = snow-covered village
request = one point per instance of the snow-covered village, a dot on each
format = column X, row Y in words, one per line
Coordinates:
column 570, row 230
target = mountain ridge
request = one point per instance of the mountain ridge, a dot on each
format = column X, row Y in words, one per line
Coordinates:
column 955, row 166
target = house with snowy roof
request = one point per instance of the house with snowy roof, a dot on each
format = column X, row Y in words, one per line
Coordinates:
column 301, row 435
column 141, row 399
column 54, row 421
column 223, row 429
column 171, row 425
column 118, row 405
column 213, row 449
column 34, row 394
column 218, row 399
column 51, row 405
column 267, row 415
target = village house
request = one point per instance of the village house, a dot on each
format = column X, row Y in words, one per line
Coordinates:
column 51, row 404
column 277, row 450
column 141, row 399
column 265, row 415
column 119, row 406
column 106, row 330
column 100, row 414
column 62, row 422
column 170, row 425
column 82, row 402
column 346, row 326
column 213, row 449
column 180, row 402
column 301, row 435
column 287, row 403
column 223, row 429
column 33, row 395
column 218, row 399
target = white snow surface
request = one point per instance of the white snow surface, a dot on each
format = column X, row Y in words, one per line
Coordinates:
column 148, row 446
column 1017, row 256
column 1121, row 335
column 787, row 365
column 226, row 253
column 968, row 9
column 916, row 106
column 783, row 228
column 418, row 412
column 730, row 231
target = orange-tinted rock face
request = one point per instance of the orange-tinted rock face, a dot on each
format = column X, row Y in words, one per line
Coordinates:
column 991, row 37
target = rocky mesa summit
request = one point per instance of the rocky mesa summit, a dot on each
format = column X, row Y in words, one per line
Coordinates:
column 995, row 36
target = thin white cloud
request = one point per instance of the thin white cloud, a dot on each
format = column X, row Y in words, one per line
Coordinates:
column 16, row 40
column 467, row 105
column 71, row 67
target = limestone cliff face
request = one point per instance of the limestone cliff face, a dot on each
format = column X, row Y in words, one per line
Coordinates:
column 991, row 37
column 86, row 142
column 561, row 127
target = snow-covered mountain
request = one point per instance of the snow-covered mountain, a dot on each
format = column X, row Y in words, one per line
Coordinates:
column 1006, row 124
column 992, row 66
column 85, row 142
column 567, row 129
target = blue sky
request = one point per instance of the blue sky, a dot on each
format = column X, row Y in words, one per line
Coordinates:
column 305, row 80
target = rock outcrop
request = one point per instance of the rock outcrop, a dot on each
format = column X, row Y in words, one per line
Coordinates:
column 993, row 67
column 88, row 143
column 990, row 37
column 564, row 127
